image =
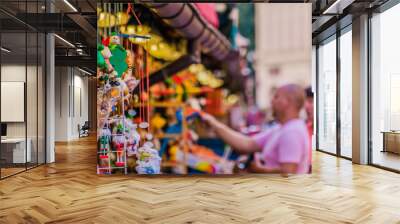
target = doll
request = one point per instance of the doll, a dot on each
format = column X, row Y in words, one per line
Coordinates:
column 133, row 139
column 119, row 142
column 106, row 55
column 104, row 140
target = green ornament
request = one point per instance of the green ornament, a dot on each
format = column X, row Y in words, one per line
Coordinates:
column 118, row 58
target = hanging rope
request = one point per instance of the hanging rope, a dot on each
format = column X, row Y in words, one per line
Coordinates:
column 147, row 87
column 134, row 14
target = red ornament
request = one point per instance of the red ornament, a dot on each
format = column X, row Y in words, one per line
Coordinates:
column 106, row 41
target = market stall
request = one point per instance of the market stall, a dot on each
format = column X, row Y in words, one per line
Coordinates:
column 153, row 88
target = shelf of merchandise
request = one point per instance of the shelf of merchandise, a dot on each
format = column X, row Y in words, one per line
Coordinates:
column 112, row 119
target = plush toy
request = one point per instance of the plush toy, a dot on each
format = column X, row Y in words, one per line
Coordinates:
column 118, row 58
column 148, row 160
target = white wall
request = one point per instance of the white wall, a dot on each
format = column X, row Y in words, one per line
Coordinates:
column 71, row 94
column 16, row 73
column 283, row 44
column 34, row 125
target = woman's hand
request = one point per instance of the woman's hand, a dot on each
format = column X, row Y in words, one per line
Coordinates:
column 208, row 118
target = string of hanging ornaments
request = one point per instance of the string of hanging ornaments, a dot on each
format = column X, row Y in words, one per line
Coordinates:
column 124, row 140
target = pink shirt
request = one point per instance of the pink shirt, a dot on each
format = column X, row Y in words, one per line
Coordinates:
column 285, row 144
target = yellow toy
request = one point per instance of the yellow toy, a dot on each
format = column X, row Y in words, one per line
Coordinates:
column 158, row 122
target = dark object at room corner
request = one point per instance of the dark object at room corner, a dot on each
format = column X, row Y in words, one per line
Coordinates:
column 84, row 129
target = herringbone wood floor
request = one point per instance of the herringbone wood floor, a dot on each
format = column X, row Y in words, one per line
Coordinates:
column 69, row 191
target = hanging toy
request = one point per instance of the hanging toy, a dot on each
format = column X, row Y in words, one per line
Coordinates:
column 125, row 90
column 118, row 58
column 104, row 140
column 106, row 55
column 132, row 83
column 130, row 113
column 143, row 125
column 119, row 142
column 133, row 139
column 130, row 61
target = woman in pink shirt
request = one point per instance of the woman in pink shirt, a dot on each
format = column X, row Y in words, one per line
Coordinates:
column 281, row 149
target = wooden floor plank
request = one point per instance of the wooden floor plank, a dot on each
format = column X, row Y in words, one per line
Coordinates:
column 69, row 191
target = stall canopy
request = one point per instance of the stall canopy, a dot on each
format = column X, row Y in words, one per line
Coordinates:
column 196, row 24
